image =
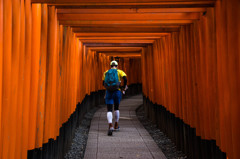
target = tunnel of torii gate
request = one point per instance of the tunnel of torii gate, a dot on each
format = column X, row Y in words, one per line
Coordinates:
column 182, row 54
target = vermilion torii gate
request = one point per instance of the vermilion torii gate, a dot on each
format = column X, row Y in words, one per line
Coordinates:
column 184, row 52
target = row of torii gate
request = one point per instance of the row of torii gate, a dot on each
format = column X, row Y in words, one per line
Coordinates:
column 185, row 53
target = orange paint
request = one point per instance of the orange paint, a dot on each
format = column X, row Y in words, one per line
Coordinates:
column 1, row 70
column 6, row 87
column 50, row 89
column 51, row 59
column 228, row 75
column 42, row 76
column 27, row 78
column 15, row 75
column 36, row 29
column 20, row 107
column 204, row 71
column 35, row 63
column 129, row 17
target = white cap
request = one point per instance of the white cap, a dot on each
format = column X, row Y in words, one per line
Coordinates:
column 114, row 63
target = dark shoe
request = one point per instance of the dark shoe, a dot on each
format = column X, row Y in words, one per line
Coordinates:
column 117, row 129
column 116, row 126
column 110, row 131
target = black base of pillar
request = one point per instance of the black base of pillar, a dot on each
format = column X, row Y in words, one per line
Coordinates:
column 133, row 89
column 56, row 149
column 181, row 134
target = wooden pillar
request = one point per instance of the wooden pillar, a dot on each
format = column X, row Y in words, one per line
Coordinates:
column 14, row 76
column 228, row 75
column 36, row 37
column 233, row 43
column 20, row 84
column 6, row 88
column 1, row 70
column 27, row 77
column 50, row 77
column 42, row 76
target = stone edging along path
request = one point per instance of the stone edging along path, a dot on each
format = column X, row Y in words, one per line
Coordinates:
column 123, row 144
column 132, row 141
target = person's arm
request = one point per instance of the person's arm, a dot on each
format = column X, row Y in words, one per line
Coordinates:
column 103, row 77
column 124, row 77
column 125, row 82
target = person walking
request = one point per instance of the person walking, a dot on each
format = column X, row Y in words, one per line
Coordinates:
column 111, row 81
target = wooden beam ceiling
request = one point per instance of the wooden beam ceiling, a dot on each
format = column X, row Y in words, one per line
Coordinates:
column 124, row 27
column 130, row 10
column 119, row 41
column 123, row 2
column 118, row 1
column 118, row 53
column 115, row 44
column 124, row 22
column 118, row 38
column 125, row 55
column 114, row 49
column 124, row 30
column 120, row 34
column 121, row 54
column 132, row 52
column 129, row 17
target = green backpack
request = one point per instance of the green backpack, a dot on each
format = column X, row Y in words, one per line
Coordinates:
column 111, row 81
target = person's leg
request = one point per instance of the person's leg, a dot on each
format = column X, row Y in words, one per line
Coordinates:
column 109, row 101
column 117, row 99
column 117, row 115
column 109, row 114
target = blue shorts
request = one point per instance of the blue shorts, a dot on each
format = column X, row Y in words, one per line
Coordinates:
column 113, row 97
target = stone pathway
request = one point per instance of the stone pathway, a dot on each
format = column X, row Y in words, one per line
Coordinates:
column 132, row 141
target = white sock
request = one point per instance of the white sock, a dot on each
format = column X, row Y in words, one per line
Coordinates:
column 117, row 115
column 109, row 117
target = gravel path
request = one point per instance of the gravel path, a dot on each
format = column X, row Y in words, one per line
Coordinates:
column 163, row 142
column 79, row 142
column 132, row 141
column 78, row 146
